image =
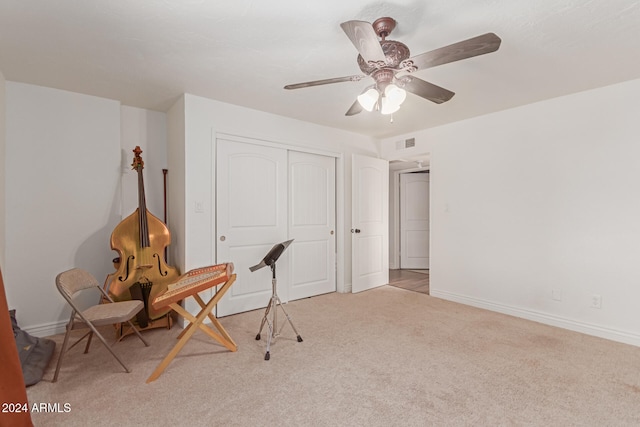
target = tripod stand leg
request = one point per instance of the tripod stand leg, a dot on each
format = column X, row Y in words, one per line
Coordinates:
column 267, row 355
column 289, row 320
column 264, row 319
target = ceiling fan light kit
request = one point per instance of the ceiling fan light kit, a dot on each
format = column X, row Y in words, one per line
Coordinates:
column 394, row 96
column 386, row 102
column 389, row 64
column 369, row 98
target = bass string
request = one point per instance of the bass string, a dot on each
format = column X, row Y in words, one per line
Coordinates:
column 142, row 206
column 143, row 221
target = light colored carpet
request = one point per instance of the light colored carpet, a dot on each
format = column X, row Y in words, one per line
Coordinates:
column 384, row 357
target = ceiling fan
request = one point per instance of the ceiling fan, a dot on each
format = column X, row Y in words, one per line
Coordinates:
column 390, row 65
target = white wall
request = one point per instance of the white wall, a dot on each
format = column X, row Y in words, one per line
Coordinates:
column 203, row 119
column 535, row 210
column 62, row 184
column 176, row 182
column 68, row 175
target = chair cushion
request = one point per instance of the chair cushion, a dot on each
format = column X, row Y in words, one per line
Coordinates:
column 110, row 313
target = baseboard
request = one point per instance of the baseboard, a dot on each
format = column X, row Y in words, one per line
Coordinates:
column 545, row 318
column 46, row 329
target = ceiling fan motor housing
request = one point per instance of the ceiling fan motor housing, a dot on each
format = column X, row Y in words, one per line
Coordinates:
column 394, row 52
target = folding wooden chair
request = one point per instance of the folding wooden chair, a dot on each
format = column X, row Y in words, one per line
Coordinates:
column 70, row 283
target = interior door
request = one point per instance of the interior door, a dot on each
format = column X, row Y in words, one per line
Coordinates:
column 251, row 186
column 312, row 206
column 370, row 223
column 414, row 220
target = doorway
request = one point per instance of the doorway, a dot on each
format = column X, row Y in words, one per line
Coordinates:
column 414, row 243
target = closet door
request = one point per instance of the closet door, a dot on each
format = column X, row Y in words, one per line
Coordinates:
column 251, row 186
column 312, row 224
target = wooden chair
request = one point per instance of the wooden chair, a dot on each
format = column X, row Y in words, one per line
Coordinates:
column 70, row 283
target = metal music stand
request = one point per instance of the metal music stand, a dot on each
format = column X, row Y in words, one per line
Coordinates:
column 270, row 260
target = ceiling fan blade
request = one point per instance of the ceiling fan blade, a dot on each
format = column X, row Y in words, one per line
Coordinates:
column 365, row 39
column 355, row 109
column 426, row 90
column 475, row 46
column 326, row 82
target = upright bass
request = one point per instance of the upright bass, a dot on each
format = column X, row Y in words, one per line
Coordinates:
column 141, row 270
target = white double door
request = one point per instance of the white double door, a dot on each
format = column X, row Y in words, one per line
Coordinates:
column 266, row 195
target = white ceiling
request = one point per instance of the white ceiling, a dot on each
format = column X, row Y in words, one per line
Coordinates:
column 146, row 53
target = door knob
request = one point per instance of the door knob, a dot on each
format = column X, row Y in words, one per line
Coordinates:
column 357, row 230
column 222, row 238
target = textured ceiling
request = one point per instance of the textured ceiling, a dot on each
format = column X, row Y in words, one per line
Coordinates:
column 146, row 53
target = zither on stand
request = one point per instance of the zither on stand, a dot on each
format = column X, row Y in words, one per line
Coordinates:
column 270, row 260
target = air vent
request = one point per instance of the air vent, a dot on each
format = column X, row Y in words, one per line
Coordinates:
column 407, row 143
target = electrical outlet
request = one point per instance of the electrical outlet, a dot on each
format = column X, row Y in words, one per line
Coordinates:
column 596, row 301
